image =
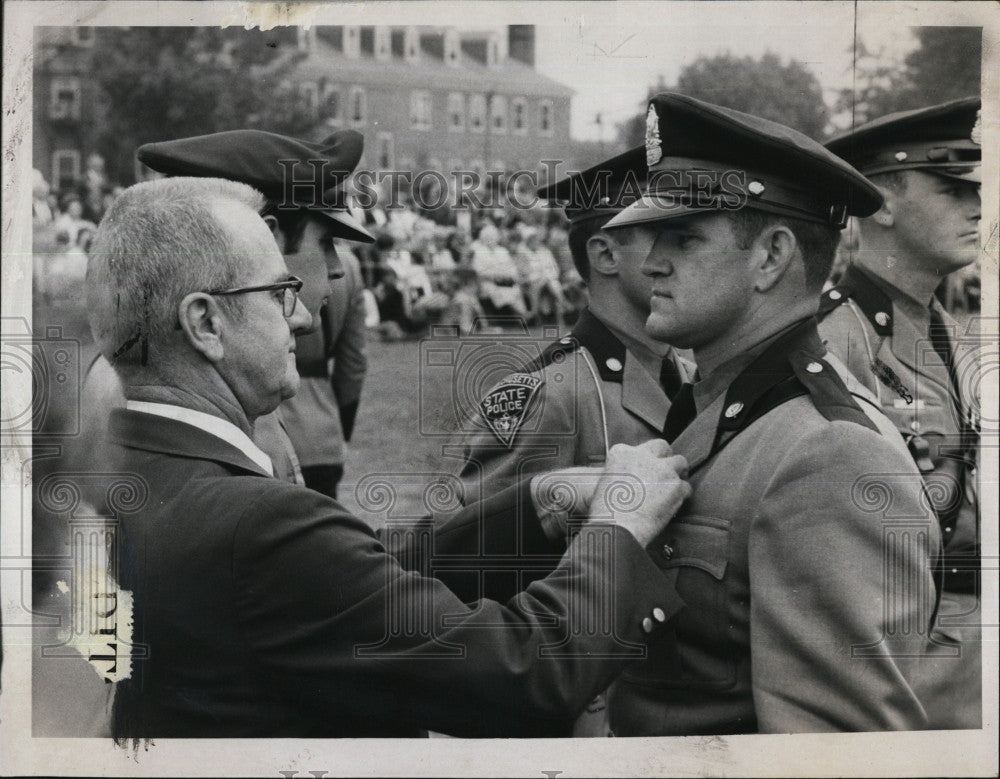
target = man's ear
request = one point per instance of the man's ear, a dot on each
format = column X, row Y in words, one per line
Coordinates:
column 773, row 251
column 201, row 321
column 884, row 216
column 600, row 253
column 272, row 223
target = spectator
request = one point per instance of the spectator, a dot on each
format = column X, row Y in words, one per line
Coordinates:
column 499, row 290
column 41, row 213
column 71, row 220
column 463, row 307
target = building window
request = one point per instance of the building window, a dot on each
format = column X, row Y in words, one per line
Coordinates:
column 452, row 45
column 456, row 112
column 83, row 36
column 545, row 117
column 65, row 169
column 420, row 109
column 384, row 151
column 477, row 113
column 498, row 114
column 64, row 98
column 332, row 110
column 519, row 115
column 492, row 51
column 383, row 43
column 359, row 106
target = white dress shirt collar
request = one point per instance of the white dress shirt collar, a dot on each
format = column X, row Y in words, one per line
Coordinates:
column 217, row 426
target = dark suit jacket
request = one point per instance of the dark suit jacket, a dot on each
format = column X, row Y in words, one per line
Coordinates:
column 268, row 610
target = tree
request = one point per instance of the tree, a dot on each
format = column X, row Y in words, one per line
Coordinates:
column 786, row 93
column 946, row 65
column 159, row 83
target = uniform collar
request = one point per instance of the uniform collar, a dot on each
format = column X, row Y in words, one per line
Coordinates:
column 641, row 391
column 217, row 427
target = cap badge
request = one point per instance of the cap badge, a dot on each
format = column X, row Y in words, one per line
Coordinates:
column 653, row 151
column 614, row 364
column 976, row 136
column 815, row 367
column 755, row 188
column 900, row 156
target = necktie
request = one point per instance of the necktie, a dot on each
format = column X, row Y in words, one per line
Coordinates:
column 670, row 378
column 682, row 411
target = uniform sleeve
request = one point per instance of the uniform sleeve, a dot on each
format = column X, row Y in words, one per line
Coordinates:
column 853, row 342
column 340, row 625
column 841, row 590
column 350, row 363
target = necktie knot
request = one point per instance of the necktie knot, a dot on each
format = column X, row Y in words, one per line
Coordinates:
column 670, row 377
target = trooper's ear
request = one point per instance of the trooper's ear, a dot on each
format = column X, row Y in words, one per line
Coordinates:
column 883, row 216
column 601, row 255
column 272, row 223
column 200, row 319
column 772, row 254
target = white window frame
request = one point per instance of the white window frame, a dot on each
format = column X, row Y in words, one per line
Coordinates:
column 57, row 156
column 380, row 138
column 337, row 118
column 498, row 110
column 542, row 106
column 383, row 43
column 519, row 102
column 456, row 100
column 421, row 110
column 452, row 48
column 309, row 91
column 351, row 41
column 357, row 92
column 411, row 44
column 477, row 102
column 56, row 108
column 305, row 38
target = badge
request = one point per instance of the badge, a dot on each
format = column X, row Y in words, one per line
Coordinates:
column 653, row 151
column 505, row 405
column 976, row 136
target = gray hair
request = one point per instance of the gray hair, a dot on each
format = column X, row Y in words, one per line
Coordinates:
column 159, row 241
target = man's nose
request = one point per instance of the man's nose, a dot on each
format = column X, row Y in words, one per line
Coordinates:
column 301, row 321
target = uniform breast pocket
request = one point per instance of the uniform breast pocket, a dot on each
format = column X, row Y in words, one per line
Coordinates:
column 695, row 649
column 922, row 416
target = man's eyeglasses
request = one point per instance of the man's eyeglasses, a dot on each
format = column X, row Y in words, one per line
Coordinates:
column 290, row 288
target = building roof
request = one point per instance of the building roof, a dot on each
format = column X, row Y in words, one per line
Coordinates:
column 509, row 77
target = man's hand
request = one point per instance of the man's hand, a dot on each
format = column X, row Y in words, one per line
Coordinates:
column 641, row 489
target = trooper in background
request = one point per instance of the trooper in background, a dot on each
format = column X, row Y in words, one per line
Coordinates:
column 884, row 321
column 306, row 209
column 332, row 365
column 605, row 383
column 782, row 566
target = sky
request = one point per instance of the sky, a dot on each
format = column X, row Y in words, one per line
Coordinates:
column 611, row 59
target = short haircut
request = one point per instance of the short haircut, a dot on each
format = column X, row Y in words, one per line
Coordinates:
column 159, row 241
column 292, row 224
column 817, row 243
column 583, row 231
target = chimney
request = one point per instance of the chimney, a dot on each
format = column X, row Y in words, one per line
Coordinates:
column 521, row 43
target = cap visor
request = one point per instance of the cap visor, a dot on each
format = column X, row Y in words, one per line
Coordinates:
column 348, row 227
column 973, row 175
column 652, row 208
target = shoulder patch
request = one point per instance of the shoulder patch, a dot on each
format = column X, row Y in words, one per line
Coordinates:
column 505, row 405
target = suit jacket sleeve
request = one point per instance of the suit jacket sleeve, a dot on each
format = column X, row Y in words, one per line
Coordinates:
column 340, row 624
column 823, row 607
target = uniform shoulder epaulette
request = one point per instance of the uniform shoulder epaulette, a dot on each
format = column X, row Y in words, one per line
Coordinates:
column 874, row 303
column 828, row 392
column 554, row 352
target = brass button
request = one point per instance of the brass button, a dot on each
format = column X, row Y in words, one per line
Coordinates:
column 668, row 551
column 647, row 625
column 814, row 367
column 733, row 410
column 835, row 294
column 659, row 615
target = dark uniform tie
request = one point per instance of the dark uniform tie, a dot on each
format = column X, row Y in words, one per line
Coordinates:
column 682, row 411
column 670, row 377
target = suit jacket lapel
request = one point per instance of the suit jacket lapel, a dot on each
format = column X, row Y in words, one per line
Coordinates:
column 152, row 433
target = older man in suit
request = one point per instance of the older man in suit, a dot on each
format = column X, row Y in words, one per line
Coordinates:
column 266, row 609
